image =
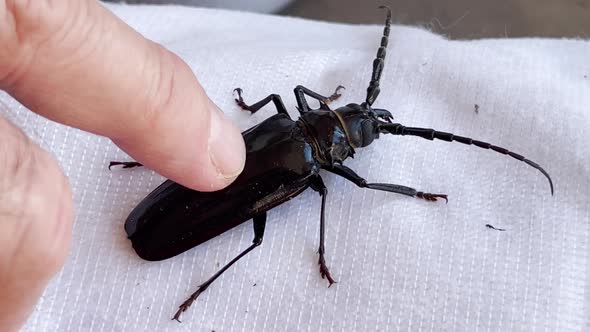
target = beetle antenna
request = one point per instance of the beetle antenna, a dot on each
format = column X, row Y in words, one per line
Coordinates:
column 431, row 134
column 373, row 89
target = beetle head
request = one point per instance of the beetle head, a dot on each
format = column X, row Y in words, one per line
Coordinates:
column 361, row 123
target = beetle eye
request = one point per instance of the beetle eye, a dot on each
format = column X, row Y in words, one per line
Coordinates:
column 369, row 131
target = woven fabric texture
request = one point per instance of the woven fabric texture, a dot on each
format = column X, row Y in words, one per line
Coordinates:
column 400, row 263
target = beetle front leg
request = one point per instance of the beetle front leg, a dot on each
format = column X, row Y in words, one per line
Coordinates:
column 301, row 91
column 350, row 175
column 317, row 184
column 276, row 99
column 334, row 95
column 259, row 224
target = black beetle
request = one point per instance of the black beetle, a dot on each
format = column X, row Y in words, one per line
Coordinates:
column 284, row 158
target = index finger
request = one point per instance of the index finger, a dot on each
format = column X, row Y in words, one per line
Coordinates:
column 74, row 62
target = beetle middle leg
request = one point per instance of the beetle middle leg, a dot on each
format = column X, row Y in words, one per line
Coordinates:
column 259, row 222
column 318, row 185
column 350, row 175
column 276, row 99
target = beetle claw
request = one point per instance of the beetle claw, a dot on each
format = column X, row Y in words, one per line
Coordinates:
column 431, row 197
column 324, row 272
column 240, row 100
column 335, row 95
column 186, row 304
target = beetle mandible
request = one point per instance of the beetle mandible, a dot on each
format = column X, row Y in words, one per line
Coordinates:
column 283, row 158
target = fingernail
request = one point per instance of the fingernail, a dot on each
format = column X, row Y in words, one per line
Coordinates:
column 226, row 145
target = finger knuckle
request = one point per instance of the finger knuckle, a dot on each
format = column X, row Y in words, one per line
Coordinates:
column 15, row 156
column 26, row 28
column 159, row 96
column 35, row 203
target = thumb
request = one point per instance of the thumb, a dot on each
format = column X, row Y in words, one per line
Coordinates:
column 74, row 62
column 36, row 213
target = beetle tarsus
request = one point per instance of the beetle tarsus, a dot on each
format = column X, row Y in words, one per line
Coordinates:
column 300, row 92
column 324, row 272
column 276, row 99
column 240, row 100
column 186, row 304
column 317, row 184
column 125, row 164
column 335, row 95
column 431, row 197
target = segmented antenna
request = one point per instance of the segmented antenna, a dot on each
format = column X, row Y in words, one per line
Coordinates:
column 431, row 134
column 373, row 89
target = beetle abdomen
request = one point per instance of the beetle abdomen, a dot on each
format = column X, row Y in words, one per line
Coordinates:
column 182, row 218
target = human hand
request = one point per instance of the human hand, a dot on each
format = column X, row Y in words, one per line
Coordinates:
column 74, row 62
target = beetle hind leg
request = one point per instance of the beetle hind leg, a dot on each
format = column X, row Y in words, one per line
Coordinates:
column 318, row 185
column 259, row 224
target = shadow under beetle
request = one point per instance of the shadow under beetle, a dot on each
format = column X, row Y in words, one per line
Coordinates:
column 284, row 157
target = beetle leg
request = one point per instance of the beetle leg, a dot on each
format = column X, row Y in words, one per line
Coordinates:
column 276, row 99
column 318, row 185
column 259, row 222
column 335, row 95
column 301, row 91
column 125, row 164
column 350, row 175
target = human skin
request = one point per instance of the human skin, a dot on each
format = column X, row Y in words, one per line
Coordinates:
column 74, row 62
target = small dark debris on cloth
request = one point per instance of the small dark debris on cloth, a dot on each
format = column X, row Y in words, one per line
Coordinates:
column 498, row 229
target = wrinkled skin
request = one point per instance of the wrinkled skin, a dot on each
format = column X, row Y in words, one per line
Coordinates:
column 154, row 109
column 35, row 223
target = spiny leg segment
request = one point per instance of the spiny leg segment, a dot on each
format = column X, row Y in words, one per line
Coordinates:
column 351, row 175
column 276, row 99
column 259, row 224
column 317, row 184
column 301, row 91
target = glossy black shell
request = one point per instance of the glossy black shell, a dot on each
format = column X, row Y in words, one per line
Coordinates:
column 173, row 219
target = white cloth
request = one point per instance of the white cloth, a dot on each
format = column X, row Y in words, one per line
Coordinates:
column 401, row 263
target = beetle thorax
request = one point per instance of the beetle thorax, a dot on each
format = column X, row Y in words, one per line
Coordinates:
column 359, row 124
column 327, row 135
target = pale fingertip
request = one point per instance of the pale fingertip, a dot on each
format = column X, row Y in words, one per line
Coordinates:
column 226, row 146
